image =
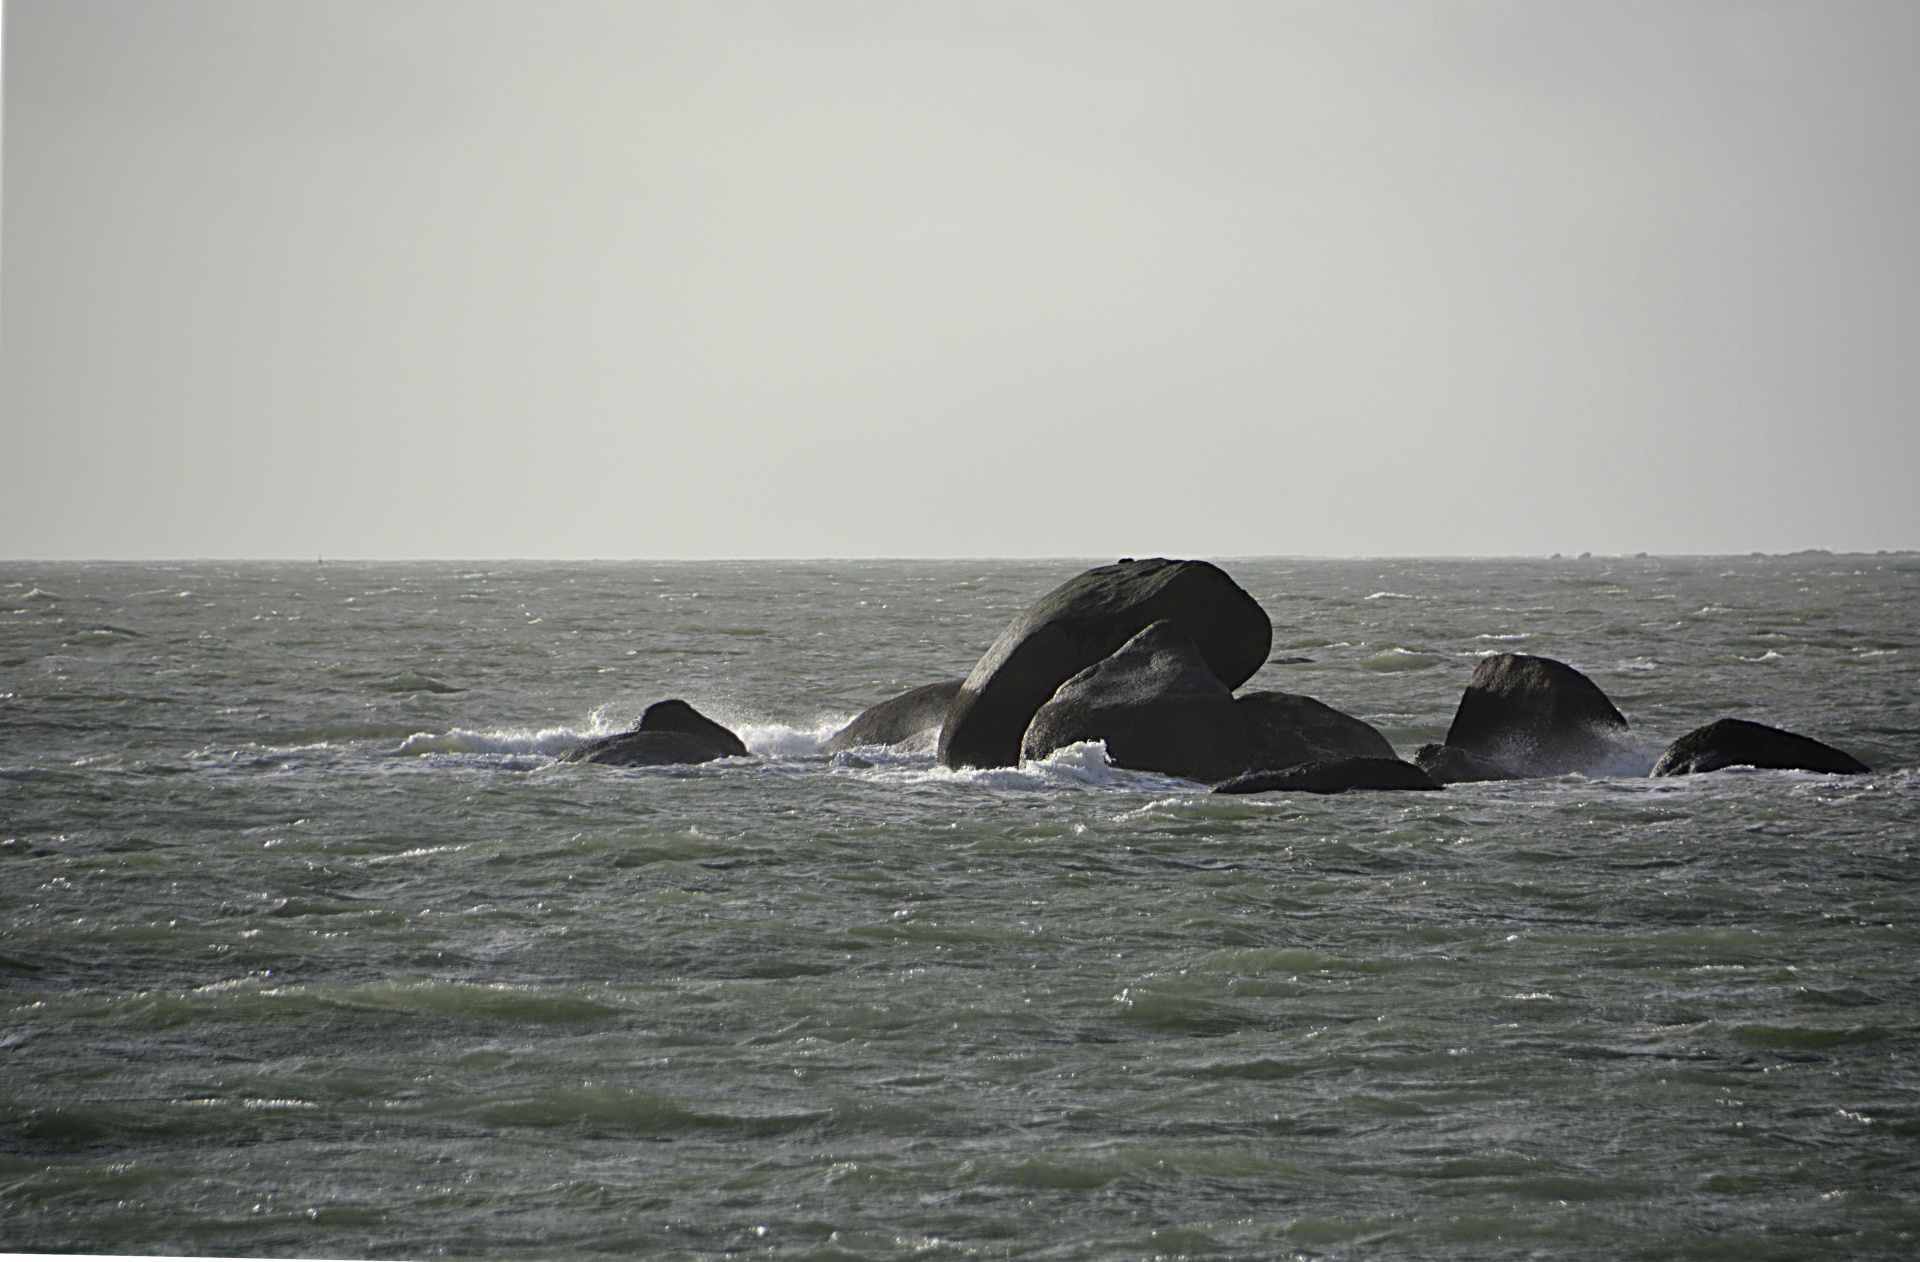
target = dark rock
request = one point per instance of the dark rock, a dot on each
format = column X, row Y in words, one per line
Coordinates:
column 1447, row 765
column 1085, row 620
column 678, row 716
column 1285, row 729
column 1738, row 743
column 668, row 732
column 901, row 719
column 1156, row 704
column 1539, row 717
column 644, row 749
column 1332, row 775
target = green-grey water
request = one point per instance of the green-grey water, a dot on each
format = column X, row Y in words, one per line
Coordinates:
column 311, row 948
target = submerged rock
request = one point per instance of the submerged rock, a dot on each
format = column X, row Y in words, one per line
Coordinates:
column 1085, row 620
column 1285, row 729
column 644, row 749
column 1447, row 765
column 1156, row 704
column 1739, row 743
column 677, row 716
column 1333, row 775
column 1539, row 717
column 906, row 716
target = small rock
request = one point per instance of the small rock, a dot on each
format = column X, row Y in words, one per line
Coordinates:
column 677, row 716
column 644, row 749
column 1447, row 765
column 1539, row 717
column 1739, row 743
column 1333, row 775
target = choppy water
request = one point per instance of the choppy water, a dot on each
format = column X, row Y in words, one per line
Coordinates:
column 310, row 948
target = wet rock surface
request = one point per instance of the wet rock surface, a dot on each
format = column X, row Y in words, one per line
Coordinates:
column 644, row 749
column 1448, row 765
column 1285, row 729
column 677, row 716
column 1085, row 620
column 1539, row 717
column 1741, row 743
column 1157, row 705
column 900, row 719
column 1332, row 775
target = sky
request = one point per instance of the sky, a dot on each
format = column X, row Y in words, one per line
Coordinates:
column 898, row 278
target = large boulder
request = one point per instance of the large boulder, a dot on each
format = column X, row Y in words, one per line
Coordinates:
column 892, row 722
column 1285, row 729
column 677, row 716
column 643, row 749
column 1446, row 765
column 668, row 732
column 1739, row 743
column 1085, row 620
column 1539, row 717
column 1332, row 775
column 1157, row 705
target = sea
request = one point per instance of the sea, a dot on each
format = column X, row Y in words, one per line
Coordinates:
column 312, row 948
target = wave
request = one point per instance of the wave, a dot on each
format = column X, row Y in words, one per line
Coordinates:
column 793, row 748
column 779, row 740
column 1398, row 659
column 1080, row 765
column 766, row 740
column 552, row 741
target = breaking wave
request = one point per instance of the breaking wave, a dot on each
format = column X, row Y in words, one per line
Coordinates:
column 787, row 747
column 552, row 741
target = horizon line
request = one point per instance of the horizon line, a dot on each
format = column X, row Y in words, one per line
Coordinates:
column 1645, row 555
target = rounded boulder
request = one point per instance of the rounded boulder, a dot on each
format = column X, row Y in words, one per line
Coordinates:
column 1085, row 620
column 1156, row 704
column 1740, row 743
column 1538, row 717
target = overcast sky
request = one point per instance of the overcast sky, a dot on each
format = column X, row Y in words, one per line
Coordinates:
column 449, row 278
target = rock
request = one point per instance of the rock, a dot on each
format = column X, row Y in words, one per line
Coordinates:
column 901, row 719
column 1738, row 743
column 1156, row 704
column 1332, row 775
column 1285, row 729
column 644, row 749
column 668, row 732
column 678, row 716
column 1446, row 765
column 1539, row 717
column 1085, row 620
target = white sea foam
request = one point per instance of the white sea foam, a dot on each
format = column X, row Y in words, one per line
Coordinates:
column 1400, row 659
column 1391, row 596
column 781, row 740
column 512, row 740
column 767, row 740
column 1083, row 764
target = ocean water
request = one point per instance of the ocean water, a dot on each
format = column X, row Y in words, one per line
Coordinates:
column 311, row 948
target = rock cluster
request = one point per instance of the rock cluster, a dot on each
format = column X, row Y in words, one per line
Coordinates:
column 1144, row 657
